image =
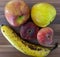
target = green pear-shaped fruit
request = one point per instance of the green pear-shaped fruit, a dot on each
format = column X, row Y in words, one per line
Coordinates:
column 43, row 14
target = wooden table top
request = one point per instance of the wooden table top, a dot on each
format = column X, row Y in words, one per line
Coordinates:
column 7, row 50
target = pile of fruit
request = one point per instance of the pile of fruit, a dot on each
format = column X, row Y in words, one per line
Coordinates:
column 32, row 28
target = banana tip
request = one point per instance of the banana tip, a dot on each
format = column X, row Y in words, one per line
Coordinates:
column 2, row 25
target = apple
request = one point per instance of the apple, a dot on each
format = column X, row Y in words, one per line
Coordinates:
column 29, row 31
column 17, row 12
column 43, row 14
column 45, row 36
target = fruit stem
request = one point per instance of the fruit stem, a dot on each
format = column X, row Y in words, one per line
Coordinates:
column 20, row 17
column 1, row 25
column 55, row 46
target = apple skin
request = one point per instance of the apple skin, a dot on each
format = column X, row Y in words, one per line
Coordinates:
column 29, row 31
column 17, row 12
column 45, row 36
column 43, row 14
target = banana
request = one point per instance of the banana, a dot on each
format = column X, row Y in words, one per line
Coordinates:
column 24, row 46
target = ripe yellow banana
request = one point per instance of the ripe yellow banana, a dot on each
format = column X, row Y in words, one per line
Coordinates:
column 23, row 46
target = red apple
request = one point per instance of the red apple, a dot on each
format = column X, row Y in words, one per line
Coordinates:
column 45, row 36
column 29, row 31
column 17, row 12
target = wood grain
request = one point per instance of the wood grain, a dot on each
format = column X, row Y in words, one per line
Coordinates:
column 7, row 50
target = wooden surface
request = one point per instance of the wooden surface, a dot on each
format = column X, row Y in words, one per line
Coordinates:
column 6, row 50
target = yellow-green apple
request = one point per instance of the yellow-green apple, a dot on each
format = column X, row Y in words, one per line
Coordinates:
column 45, row 36
column 17, row 12
column 43, row 14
